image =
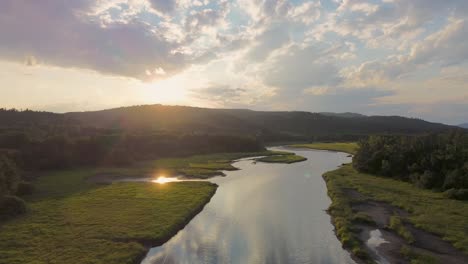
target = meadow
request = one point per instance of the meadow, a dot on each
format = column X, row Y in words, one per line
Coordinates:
column 116, row 223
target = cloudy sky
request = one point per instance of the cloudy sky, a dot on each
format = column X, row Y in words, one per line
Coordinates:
column 391, row 57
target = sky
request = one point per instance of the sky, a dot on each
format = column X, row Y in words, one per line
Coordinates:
column 375, row 57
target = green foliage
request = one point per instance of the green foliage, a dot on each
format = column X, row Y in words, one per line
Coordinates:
column 11, row 206
column 75, row 222
column 9, row 176
column 438, row 161
column 430, row 211
column 24, row 188
column 348, row 147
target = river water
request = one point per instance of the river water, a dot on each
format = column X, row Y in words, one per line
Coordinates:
column 263, row 213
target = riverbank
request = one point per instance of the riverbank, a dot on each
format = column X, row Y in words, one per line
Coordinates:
column 114, row 223
column 413, row 225
column 282, row 157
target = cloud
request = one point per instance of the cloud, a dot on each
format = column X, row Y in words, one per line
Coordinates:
column 299, row 68
column 276, row 54
column 164, row 6
column 116, row 38
column 58, row 34
column 447, row 46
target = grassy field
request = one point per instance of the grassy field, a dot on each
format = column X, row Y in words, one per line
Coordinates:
column 348, row 147
column 71, row 221
column 430, row 211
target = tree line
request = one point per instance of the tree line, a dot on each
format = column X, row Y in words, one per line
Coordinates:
column 435, row 161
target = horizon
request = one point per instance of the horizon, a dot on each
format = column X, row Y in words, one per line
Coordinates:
column 372, row 57
column 217, row 108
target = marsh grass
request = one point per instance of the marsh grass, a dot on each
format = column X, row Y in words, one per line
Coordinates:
column 70, row 221
column 348, row 147
column 198, row 166
column 396, row 224
column 282, row 159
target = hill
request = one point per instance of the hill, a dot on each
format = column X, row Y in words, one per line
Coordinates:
column 270, row 126
column 464, row 125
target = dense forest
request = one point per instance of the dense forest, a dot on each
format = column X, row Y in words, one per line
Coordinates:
column 435, row 161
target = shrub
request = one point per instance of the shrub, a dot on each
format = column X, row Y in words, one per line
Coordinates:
column 11, row 206
column 9, row 176
column 458, row 194
column 24, row 188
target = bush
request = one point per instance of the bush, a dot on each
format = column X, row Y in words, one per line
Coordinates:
column 458, row 194
column 9, row 176
column 11, row 206
column 24, row 188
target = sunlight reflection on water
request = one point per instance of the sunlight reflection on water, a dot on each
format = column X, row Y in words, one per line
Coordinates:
column 163, row 180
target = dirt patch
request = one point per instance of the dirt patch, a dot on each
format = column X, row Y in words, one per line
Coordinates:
column 425, row 243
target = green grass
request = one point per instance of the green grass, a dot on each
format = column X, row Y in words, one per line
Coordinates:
column 416, row 258
column 430, row 211
column 70, row 221
column 282, row 159
column 397, row 225
column 349, row 147
column 343, row 216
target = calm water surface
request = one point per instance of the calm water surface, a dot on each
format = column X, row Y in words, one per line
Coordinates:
column 263, row 213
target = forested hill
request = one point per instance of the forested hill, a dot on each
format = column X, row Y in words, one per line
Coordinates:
column 270, row 125
column 123, row 135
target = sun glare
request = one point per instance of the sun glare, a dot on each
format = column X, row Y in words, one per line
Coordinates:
column 163, row 180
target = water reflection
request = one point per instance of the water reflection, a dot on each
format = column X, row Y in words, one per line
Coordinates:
column 163, row 180
column 263, row 213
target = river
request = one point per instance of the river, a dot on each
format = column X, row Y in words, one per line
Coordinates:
column 263, row 213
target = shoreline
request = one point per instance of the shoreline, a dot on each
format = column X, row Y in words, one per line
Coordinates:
column 357, row 216
column 151, row 243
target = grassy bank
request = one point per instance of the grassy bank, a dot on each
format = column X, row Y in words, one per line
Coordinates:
column 348, row 147
column 429, row 211
column 282, row 159
column 79, row 223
